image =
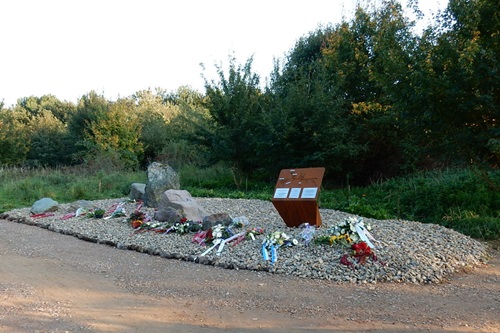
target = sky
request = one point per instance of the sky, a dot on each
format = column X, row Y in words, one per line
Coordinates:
column 68, row 48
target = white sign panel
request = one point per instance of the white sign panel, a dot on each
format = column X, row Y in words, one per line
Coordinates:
column 281, row 193
column 309, row 192
column 295, row 193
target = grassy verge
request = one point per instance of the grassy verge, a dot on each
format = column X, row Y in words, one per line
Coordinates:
column 21, row 187
column 458, row 199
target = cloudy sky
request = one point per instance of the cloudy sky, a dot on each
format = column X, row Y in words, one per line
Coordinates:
column 117, row 47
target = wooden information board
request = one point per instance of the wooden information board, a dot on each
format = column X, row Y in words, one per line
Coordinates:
column 295, row 196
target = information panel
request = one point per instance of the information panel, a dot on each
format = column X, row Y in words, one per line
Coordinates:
column 295, row 196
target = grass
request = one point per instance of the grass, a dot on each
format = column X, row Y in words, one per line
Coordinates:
column 456, row 198
column 21, row 187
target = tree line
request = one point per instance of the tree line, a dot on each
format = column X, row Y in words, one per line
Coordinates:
column 367, row 98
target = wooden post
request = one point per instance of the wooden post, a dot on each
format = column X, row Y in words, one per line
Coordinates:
column 295, row 196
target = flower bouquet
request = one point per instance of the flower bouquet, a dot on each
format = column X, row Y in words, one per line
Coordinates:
column 273, row 242
column 361, row 251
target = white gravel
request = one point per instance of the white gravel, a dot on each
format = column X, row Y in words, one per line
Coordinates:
column 409, row 252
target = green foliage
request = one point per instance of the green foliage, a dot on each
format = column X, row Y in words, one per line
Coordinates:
column 154, row 115
column 452, row 92
column 34, row 132
column 235, row 106
column 48, row 141
column 335, row 96
column 14, row 137
column 365, row 98
column 35, row 106
column 310, row 125
column 486, row 228
column 169, row 123
column 118, row 132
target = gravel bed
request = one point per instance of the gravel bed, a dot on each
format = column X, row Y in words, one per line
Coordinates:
column 409, row 252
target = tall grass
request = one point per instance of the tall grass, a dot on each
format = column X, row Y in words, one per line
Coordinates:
column 458, row 199
column 20, row 187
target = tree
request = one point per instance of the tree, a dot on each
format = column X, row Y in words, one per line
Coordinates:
column 337, row 94
column 36, row 105
column 234, row 104
column 48, row 141
column 456, row 80
column 154, row 115
column 46, row 131
column 91, row 109
column 14, row 139
column 116, row 134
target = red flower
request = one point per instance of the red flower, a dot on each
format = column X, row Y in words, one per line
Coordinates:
column 361, row 251
column 183, row 220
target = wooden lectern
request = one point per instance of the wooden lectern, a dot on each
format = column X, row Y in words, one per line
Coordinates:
column 295, row 196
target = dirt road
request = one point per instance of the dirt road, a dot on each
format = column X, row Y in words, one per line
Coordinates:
column 51, row 282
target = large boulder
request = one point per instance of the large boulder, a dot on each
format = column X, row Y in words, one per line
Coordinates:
column 137, row 191
column 44, row 205
column 167, row 214
column 182, row 202
column 214, row 219
column 160, row 179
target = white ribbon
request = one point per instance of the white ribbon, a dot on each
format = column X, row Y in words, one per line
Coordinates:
column 216, row 242
column 365, row 235
column 227, row 240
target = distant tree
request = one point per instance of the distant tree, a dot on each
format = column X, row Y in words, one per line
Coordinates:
column 455, row 103
column 336, row 95
column 45, row 128
column 36, row 105
column 116, row 134
column 14, row 138
column 234, row 104
column 154, row 114
column 185, row 145
column 91, row 109
column 48, row 141
column 168, row 121
column 310, row 126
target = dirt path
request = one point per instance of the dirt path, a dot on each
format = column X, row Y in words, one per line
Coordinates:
column 55, row 283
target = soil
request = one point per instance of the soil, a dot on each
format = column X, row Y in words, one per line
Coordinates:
column 50, row 282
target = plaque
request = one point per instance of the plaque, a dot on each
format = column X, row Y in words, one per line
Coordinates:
column 295, row 196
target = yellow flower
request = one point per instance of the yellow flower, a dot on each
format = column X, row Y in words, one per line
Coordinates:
column 348, row 239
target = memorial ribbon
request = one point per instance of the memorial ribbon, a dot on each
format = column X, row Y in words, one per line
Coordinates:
column 365, row 235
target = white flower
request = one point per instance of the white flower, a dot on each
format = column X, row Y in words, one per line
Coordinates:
column 369, row 227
